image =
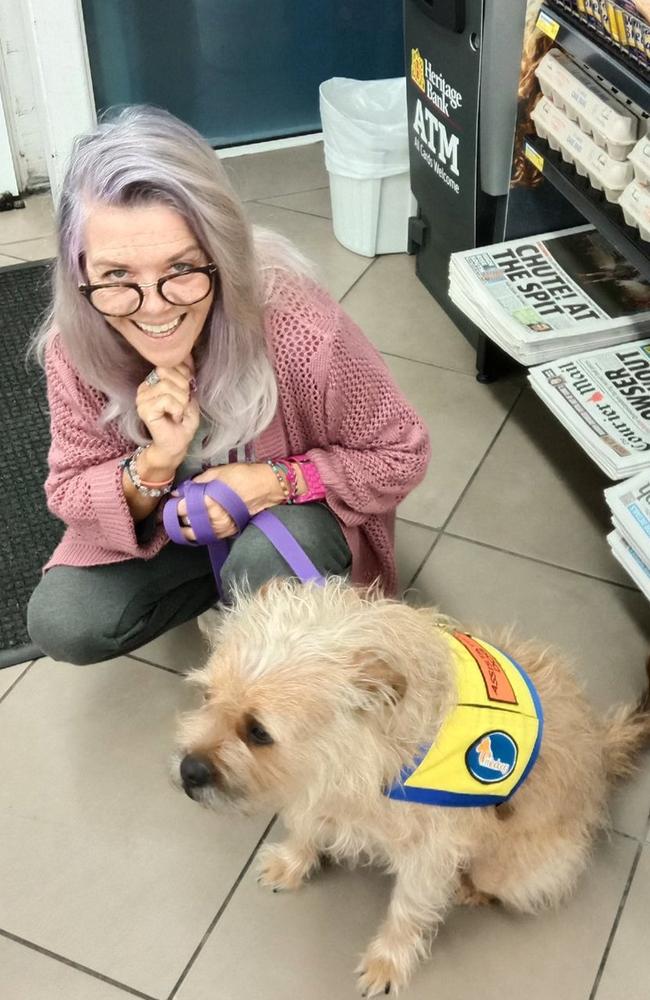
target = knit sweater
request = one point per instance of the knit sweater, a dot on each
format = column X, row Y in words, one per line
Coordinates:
column 337, row 403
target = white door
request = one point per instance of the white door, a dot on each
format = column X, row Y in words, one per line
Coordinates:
column 8, row 180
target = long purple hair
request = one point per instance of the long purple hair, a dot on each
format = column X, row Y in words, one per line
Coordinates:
column 146, row 155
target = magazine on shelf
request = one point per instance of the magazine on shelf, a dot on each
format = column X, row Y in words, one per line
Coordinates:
column 542, row 297
column 631, row 561
column 603, row 399
column 629, row 503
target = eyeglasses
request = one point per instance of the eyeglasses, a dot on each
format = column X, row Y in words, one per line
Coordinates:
column 123, row 298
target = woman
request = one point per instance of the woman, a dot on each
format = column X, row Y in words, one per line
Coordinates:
column 183, row 345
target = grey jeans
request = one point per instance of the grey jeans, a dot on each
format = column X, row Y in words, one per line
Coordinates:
column 93, row 613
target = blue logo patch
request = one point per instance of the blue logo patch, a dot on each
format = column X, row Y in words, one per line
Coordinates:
column 492, row 757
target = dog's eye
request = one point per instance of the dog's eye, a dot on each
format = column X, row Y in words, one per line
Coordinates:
column 257, row 734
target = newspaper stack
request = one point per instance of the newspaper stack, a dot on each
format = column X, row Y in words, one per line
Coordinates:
column 629, row 503
column 603, row 400
column 543, row 297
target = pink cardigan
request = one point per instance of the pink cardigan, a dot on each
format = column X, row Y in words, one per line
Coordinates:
column 337, row 402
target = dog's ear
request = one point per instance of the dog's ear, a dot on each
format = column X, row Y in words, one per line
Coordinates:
column 380, row 680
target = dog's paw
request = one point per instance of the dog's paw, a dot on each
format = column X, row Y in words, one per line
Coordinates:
column 378, row 976
column 282, row 869
column 468, row 895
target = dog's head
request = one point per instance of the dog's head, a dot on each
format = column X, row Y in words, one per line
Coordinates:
column 300, row 694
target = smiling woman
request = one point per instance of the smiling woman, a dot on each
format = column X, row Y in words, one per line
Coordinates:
column 183, row 344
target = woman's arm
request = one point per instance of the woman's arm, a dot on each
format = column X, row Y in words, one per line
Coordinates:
column 376, row 447
column 85, row 484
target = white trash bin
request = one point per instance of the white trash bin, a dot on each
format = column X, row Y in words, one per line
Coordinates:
column 365, row 133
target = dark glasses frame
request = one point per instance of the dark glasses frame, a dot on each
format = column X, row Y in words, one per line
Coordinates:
column 87, row 290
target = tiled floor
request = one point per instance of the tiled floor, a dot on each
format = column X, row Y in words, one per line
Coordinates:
column 115, row 885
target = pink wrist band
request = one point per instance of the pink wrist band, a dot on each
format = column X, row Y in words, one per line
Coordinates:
column 315, row 488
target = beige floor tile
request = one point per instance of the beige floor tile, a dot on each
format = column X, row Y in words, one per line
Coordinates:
column 41, row 248
column 401, row 317
column 626, row 975
column 604, row 628
column 103, row 861
column 412, row 543
column 312, row 202
column 35, row 219
column 338, row 268
column 538, row 494
column 630, row 803
column 278, row 172
column 462, row 417
column 9, row 261
column 28, row 975
column 307, row 943
column 9, row 676
column 182, row 649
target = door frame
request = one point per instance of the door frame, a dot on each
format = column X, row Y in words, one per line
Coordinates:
column 58, row 54
column 8, row 179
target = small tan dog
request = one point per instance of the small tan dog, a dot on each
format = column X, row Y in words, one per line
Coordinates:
column 314, row 700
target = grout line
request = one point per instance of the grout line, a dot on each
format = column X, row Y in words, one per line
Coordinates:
column 18, row 680
column 431, row 548
column 150, row 663
column 298, row 211
column 76, row 965
column 628, row 836
column 220, row 911
column 617, row 920
column 472, row 477
column 281, row 194
column 28, row 239
column 373, row 260
column 416, row 524
column 542, row 562
column 11, row 256
column 431, row 364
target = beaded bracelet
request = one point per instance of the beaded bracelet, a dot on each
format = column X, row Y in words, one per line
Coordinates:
column 292, row 478
column 155, row 490
column 281, row 479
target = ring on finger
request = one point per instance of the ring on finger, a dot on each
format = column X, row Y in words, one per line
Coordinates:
column 153, row 378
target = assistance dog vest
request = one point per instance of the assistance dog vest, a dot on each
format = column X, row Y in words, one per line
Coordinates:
column 488, row 744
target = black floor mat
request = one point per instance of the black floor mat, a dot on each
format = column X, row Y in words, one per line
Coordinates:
column 29, row 532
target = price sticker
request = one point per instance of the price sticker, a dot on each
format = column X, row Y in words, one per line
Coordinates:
column 535, row 158
column 548, row 24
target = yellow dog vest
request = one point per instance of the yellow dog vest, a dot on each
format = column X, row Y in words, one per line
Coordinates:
column 489, row 742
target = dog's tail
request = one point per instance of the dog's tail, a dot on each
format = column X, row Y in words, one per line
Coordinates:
column 627, row 734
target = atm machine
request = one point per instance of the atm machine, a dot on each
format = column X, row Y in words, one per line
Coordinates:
column 462, row 71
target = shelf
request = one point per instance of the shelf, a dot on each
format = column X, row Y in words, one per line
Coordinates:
column 606, row 217
column 599, row 54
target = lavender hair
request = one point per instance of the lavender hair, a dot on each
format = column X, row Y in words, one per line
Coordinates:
column 146, row 155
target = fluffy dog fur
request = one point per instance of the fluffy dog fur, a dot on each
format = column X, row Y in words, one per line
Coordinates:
column 314, row 699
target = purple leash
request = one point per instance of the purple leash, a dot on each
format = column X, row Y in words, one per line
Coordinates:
column 218, row 548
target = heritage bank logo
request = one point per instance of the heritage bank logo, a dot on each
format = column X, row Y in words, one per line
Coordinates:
column 437, row 145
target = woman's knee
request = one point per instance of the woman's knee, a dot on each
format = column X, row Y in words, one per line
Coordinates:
column 254, row 559
column 62, row 628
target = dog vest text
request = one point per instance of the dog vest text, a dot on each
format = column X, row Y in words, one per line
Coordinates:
column 488, row 744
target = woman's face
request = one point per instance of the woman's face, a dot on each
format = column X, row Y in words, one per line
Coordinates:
column 141, row 244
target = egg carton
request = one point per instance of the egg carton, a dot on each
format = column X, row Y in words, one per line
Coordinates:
column 613, row 127
column 640, row 159
column 635, row 202
column 604, row 173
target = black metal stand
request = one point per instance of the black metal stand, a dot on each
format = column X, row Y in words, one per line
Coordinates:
column 605, row 216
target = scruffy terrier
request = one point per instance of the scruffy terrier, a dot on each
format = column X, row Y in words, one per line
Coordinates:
column 382, row 733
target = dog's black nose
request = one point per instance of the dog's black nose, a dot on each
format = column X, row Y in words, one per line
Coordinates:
column 196, row 771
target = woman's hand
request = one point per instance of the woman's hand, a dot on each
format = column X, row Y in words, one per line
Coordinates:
column 171, row 415
column 256, row 484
